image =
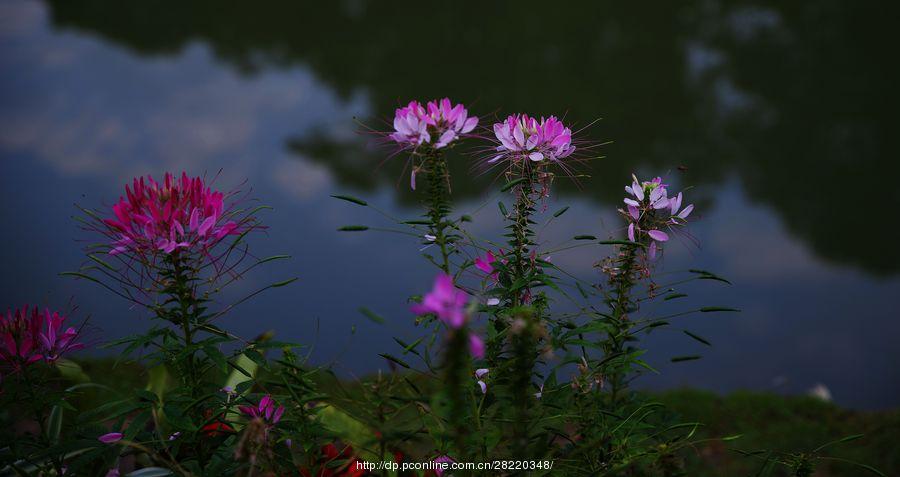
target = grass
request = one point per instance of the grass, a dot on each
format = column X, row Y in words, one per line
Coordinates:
column 788, row 424
column 764, row 421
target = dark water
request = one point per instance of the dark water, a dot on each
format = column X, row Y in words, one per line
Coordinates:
column 781, row 115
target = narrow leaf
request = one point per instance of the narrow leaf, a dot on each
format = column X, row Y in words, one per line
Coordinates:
column 698, row 338
column 509, row 185
column 395, row 360
column 371, row 315
column 350, row 198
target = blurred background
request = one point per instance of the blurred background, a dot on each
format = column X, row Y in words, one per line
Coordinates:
column 780, row 116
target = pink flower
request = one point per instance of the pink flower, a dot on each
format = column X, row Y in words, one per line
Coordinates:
column 476, row 346
column 445, row 301
column 649, row 210
column 181, row 213
column 410, row 126
column 479, row 375
column 415, row 125
column 30, row 336
column 110, row 438
column 522, row 137
column 265, row 410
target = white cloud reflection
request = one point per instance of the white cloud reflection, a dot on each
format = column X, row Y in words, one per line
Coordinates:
column 88, row 108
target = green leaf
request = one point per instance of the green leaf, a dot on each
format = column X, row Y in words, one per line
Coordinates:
column 411, row 347
column 101, row 262
column 371, row 315
column 713, row 309
column 353, row 228
column 347, row 428
column 621, row 242
column 678, row 359
column 417, row 222
column 395, row 359
column 674, row 296
column 272, row 258
column 585, row 237
column 158, row 381
column 698, row 338
column 72, row 371
column 283, row 283
column 707, row 275
column 352, row 199
column 54, row 424
column 509, row 185
column 560, row 211
column 217, row 357
column 502, row 207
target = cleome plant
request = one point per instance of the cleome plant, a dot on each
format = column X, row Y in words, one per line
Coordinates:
column 519, row 366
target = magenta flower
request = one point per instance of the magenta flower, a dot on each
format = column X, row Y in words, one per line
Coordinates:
column 486, row 265
column 181, row 213
column 444, row 462
column 265, row 410
column 110, row 438
column 54, row 341
column 30, row 336
column 522, row 137
column 446, row 301
column 439, row 120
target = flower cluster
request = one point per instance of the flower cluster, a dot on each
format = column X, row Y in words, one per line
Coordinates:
column 649, row 210
column 28, row 335
column 264, row 411
column 180, row 213
column 450, row 305
column 438, row 121
column 522, row 137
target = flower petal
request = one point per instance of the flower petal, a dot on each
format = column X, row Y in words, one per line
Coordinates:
column 658, row 235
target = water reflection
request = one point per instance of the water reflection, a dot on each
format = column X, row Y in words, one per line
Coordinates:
column 779, row 114
column 794, row 98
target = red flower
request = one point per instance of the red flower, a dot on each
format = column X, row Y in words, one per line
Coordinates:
column 335, row 463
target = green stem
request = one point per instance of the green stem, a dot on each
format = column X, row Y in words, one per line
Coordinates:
column 439, row 204
column 524, row 207
column 456, row 367
column 184, row 296
column 523, row 344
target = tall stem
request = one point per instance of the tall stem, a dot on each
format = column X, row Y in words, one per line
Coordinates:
column 624, row 282
column 439, row 204
column 456, row 366
column 523, row 347
column 521, row 240
column 184, row 297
